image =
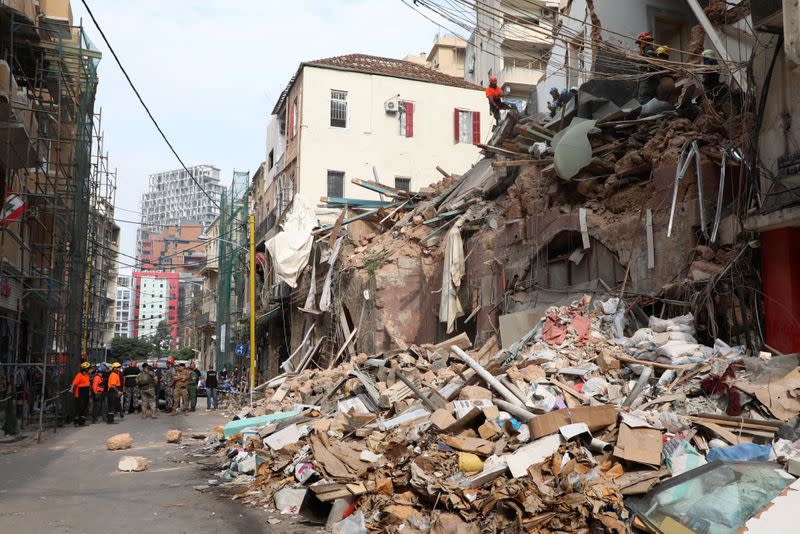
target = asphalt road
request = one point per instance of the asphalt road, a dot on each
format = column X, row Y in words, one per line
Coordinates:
column 70, row 484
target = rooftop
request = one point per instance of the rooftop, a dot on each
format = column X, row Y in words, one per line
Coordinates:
column 381, row 66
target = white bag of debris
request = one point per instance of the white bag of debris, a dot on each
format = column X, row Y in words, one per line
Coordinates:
column 291, row 248
column 682, row 323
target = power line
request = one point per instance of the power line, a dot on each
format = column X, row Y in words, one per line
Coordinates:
column 147, row 109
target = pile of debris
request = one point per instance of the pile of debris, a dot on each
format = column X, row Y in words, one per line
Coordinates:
column 567, row 430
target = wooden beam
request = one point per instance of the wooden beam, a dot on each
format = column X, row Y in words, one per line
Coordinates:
column 521, row 162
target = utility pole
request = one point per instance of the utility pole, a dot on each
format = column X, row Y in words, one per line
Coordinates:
column 252, row 221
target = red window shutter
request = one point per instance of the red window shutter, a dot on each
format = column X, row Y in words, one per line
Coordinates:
column 455, row 124
column 476, row 127
column 409, row 119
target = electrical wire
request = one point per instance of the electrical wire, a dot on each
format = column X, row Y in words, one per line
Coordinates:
column 146, row 108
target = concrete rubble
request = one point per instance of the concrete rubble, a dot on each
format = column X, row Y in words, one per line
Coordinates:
column 173, row 436
column 551, row 435
column 599, row 364
column 119, row 442
column 133, row 463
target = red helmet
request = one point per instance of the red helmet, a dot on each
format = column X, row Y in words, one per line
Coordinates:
column 170, row 360
column 493, row 79
column 644, row 37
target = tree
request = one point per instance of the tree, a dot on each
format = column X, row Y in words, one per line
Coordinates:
column 130, row 348
column 184, row 353
column 161, row 339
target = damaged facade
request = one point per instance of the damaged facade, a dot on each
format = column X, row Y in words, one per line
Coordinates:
column 583, row 331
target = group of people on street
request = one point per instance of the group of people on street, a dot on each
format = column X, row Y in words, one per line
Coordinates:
column 115, row 389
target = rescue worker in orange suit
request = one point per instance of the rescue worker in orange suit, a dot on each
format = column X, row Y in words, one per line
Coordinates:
column 98, row 392
column 495, row 96
column 114, row 389
column 81, row 389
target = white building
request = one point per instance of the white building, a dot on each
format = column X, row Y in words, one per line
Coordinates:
column 174, row 198
column 342, row 116
column 512, row 40
column 123, row 324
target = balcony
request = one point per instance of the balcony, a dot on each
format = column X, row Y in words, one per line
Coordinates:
column 521, row 76
column 522, row 35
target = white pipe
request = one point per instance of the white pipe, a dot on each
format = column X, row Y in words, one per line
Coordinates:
column 487, row 377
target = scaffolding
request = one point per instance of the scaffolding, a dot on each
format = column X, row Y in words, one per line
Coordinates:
column 231, row 294
column 48, row 81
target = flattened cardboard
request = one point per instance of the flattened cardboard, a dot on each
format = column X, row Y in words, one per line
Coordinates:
column 595, row 417
column 640, row 445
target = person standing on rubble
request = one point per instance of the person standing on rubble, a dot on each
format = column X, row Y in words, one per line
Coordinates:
column 180, row 384
column 494, row 94
column 212, row 382
column 113, row 388
column 167, row 379
column 194, row 380
column 131, row 392
column 555, row 104
column 98, row 392
column 81, row 389
column 146, row 383
column 648, row 83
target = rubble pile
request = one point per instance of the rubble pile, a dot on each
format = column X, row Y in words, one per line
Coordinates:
column 553, row 434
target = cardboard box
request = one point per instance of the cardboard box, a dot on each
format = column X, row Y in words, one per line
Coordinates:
column 641, row 445
column 595, row 417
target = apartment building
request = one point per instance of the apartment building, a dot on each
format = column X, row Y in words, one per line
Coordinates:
column 155, row 300
column 447, row 55
column 340, row 117
column 512, row 40
column 177, row 249
column 123, row 308
column 174, row 198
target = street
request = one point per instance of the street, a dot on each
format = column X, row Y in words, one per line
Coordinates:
column 70, row 483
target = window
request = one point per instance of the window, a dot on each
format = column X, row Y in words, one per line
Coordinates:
column 293, row 119
column 335, row 184
column 338, row 108
column 407, row 119
column 404, row 184
column 271, row 160
column 467, row 126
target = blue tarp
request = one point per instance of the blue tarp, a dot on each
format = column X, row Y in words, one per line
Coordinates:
column 234, row 427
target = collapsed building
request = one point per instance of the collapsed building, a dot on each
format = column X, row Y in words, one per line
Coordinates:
column 575, row 335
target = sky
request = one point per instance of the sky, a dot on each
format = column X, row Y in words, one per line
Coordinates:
column 211, row 71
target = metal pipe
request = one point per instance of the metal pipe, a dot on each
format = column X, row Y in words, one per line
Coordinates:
column 487, row 377
column 640, row 385
column 699, row 176
column 718, row 214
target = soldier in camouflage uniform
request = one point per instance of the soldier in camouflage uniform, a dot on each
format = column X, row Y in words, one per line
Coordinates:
column 146, row 384
column 130, row 399
column 181, row 390
column 167, row 379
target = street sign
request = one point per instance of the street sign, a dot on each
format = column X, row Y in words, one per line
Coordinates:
column 241, row 350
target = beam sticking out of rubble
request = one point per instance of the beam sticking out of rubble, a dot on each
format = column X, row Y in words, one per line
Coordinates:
column 719, row 45
column 488, row 378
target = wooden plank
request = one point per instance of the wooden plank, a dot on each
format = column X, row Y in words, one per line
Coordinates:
column 566, row 389
column 346, row 331
column 651, row 364
column 503, row 151
column 354, row 202
column 521, row 162
column 381, row 188
column 737, row 421
column 444, row 216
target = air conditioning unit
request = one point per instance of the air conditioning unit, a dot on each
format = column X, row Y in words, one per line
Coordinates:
column 392, row 105
column 548, row 14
